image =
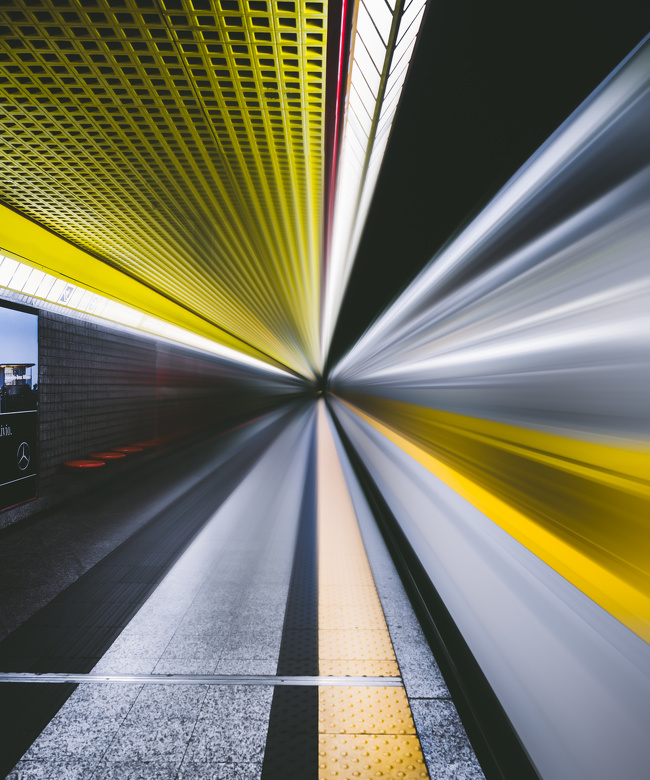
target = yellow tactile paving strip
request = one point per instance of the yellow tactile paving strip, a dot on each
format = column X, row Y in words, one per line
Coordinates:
column 355, row 668
column 369, row 756
column 363, row 733
column 365, row 711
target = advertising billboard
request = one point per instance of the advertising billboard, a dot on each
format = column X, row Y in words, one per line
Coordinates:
column 18, row 405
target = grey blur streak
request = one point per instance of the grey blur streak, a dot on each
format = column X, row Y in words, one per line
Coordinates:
column 539, row 312
column 573, row 680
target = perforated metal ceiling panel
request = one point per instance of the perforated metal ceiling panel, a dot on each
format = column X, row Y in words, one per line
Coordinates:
column 181, row 142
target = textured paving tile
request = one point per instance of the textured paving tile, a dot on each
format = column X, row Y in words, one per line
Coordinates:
column 232, row 725
column 186, row 666
column 195, row 770
column 361, row 644
column 206, row 616
column 55, row 769
column 340, row 668
column 84, row 729
column 364, row 711
column 159, row 725
column 420, row 672
column 446, row 747
column 197, row 644
column 138, row 657
column 271, row 616
column 137, row 769
column 243, row 744
column 367, row 757
column 226, row 705
column 254, row 644
column 246, row 666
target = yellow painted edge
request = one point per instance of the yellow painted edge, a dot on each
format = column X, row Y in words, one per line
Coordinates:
column 34, row 245
column 624, row 602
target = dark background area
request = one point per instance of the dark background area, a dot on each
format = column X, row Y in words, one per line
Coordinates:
column 488, row 83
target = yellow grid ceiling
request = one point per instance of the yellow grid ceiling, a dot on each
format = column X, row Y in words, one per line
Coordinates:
column 182, row 143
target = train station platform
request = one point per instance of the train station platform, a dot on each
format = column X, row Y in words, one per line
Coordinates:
column 236, row 615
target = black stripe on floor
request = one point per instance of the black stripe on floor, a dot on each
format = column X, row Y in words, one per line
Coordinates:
column 74, row 630
column 292, row 742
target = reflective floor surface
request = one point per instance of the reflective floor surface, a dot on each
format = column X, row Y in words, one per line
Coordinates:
column 242, row 619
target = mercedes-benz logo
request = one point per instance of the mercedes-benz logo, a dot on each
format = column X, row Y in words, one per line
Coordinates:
column 23, row 455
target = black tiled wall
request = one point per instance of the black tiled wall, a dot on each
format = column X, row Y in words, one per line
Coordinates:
column 97, row 389
column 101, row 387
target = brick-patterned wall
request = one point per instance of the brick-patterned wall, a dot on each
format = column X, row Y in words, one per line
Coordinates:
column 100, row 387
column 97, row 389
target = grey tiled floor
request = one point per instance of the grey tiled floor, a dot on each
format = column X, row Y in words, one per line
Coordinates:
column 38, row 561
column 153, row 731
column 220, row 610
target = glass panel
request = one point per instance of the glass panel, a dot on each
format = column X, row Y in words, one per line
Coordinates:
column 364, row 63
column 381, row 15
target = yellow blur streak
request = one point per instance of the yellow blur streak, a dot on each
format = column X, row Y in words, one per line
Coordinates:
column 582, row 507
column 37, row 247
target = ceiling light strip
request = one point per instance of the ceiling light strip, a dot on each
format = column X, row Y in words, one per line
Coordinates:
column 38, row 285
column 383, row 41
column 21, row 239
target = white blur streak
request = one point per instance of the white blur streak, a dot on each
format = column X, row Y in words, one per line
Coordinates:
column 573, row 680
column 77, row 302
column 370, row 109
column 540, row 309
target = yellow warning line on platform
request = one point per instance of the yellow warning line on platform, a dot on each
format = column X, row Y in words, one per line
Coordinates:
column 362, row 734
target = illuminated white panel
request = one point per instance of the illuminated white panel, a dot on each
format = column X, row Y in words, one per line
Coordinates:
column 86, row 298
column 410, row 14
column 7, row 270
column 33, row 282
column 355, row 126
column 372, row 41
column 364, row 63
column 389, row 108
column 45, row 286
column 402, row 58
column 368, row 99
column 20, row 277
column 365, row 121
column 56, row 291
column 382, row 16
column 356, row 148
column 377, row 75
